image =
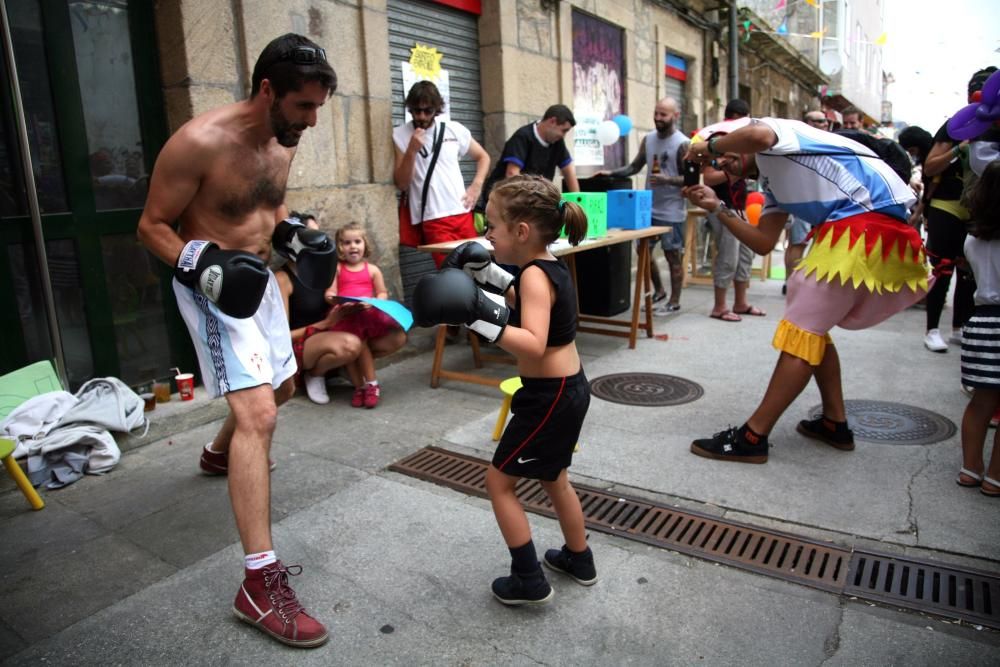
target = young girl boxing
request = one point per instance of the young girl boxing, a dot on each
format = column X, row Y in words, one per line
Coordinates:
column 981, row 336
column 380, row 334
column 524, row 215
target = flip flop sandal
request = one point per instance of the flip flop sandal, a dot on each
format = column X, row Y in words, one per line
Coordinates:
column 728, row 316
column 753, row 311
column 968, row 473
column 992, row 482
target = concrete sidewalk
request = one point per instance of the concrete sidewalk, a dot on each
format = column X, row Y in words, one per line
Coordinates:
column 140, row 566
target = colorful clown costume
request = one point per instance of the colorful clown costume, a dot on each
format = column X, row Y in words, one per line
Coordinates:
column 864, row 263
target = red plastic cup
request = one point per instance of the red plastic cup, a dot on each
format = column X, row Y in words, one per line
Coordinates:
column 185, row 386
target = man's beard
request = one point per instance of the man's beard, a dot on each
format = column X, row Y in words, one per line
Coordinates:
column 287, row 134
column 663, row 127
column 423, row 124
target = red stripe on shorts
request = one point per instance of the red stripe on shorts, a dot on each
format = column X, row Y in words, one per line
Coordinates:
column 562, row 385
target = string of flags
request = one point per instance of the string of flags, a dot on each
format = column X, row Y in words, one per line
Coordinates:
column 782, row 30
column 749, row 27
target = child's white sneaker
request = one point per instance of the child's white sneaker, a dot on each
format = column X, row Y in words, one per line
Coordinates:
column 316, row 388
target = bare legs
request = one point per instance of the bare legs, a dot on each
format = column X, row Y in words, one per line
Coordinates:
column 675, row 260
column 790, row 377
column 225, row 434
column 254, row 413
column 975, row 425
column 513, row 521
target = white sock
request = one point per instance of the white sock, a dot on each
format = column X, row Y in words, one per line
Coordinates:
column 372, row 382
column 259, row 560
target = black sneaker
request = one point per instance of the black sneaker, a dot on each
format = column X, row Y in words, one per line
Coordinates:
column 579, row 566
column 518, row 589
column 835, row 434
column 733, row 444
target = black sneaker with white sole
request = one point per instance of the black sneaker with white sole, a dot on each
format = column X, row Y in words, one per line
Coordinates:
column 518, row 589
column 578, row 566
column 741, row 445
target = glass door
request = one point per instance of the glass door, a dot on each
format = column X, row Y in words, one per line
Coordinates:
column 94, row 111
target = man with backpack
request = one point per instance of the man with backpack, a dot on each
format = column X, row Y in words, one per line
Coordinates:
column 865, row 263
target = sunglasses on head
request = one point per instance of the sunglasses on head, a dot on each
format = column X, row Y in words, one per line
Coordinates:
column 304, row 55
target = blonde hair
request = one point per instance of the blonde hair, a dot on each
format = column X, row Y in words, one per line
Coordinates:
column 536, row 200
column 353, row 227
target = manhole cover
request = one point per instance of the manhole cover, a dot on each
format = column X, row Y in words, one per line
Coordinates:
column 646, row 389
column 894, row 423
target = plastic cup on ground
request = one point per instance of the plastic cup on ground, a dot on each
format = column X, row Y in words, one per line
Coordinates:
column 149, row 400
column 162, row 392
column 185, row 386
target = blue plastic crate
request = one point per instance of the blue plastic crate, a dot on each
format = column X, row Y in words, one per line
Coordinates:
column 630, row 209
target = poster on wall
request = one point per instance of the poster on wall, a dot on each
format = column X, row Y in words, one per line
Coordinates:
column 425, row 65
column 598, row 88
column 587, row 150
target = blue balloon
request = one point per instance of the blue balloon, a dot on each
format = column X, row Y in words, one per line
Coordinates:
column 624, row 123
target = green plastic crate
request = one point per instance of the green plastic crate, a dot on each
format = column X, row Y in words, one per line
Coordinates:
column 595, row 205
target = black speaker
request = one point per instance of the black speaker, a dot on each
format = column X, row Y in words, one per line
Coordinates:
column 603, row 279
column 604, row 183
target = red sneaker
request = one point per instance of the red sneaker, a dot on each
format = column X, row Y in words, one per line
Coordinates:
column 266, row 602
column 372, row 392
column 217, row 463
column 358, row 399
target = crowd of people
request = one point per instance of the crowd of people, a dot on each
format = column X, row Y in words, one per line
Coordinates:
column 255, row 327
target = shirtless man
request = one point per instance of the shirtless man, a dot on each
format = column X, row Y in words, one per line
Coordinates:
column 221, row 178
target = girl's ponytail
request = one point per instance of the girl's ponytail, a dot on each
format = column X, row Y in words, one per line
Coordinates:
column 575, row 221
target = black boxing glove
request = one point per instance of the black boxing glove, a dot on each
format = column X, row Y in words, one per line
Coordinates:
column 451, row 297
column 233, row 280
column 475, row 260
column 314, row 254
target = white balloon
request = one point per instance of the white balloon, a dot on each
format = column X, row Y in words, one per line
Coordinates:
column 608, row 132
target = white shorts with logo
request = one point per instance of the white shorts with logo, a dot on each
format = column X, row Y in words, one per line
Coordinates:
column 238, row 353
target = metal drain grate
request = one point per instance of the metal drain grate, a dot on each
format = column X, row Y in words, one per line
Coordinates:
column 907, row 582
column 769, row 552
column 929, row 587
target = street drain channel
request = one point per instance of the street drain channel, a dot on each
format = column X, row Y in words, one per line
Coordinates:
column 933, row 588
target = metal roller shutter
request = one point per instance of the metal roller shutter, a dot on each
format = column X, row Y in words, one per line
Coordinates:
column 675, row 89
column 455, row 34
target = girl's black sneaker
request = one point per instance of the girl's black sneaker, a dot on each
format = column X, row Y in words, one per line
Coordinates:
column 518, row 589
column 578, row 566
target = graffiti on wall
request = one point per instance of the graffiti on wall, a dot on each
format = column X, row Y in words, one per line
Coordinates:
column 598, row 88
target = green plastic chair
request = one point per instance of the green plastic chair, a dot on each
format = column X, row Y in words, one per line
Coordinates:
column 15, row 388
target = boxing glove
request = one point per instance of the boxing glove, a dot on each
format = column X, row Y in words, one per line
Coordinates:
column 475, row 260
column 232, row 279
column 314, row 254
column 451, row 297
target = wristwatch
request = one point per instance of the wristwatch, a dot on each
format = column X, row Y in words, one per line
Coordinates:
column 711, row 146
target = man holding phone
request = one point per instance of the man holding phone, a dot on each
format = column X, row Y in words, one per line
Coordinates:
column 662, row 152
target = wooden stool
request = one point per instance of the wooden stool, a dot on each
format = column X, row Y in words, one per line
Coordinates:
column 508, row 387
column 7, row 454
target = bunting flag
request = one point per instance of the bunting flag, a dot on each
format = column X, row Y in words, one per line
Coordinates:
column 881, row 39
column 814, row 3
column 780, row 5
column 818, row 34
column 783, row 28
